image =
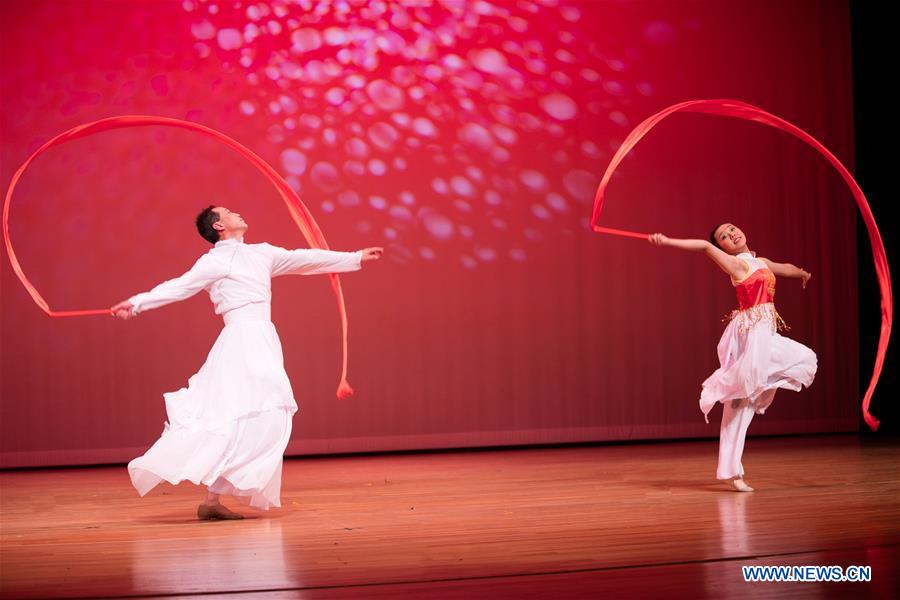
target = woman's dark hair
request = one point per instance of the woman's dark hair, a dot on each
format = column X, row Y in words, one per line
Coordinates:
column 205, row 221
column 712, row 235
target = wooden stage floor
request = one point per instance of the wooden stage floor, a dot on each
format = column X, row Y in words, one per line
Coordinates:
column 628, row 521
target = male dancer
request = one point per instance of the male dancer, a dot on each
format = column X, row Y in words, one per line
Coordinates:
column 229, row 427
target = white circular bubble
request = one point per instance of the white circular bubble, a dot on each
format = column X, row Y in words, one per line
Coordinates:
column 377, row 167
column 462, row 186
column 377, row 202
column 616, row 64
column 363, row 227
column 504, row 134
column 229, row 39
column 590, row 75
column 387, row 96
column 433, row 72
column 488, row 60
column 540, row 211
column 403, row 76
column 294, row 161
column 427, row 253
column 287, row 103
column 335, row 36
column 533, row 180
column 356, row 148
column 475, row 173
column 328, row 206
column 247, row 107
column 354, row 167
column 561, row 79
column 618, row 118
column 204, row 30
column 500, row 155
column 486, row 254
column 614, row 87
column 289, row 69
column 475, row 135
column 305, row 40
column 401, row 119
column 355, row 81
column 590, row 149
column 436, row 224
column 390, row 233
column 462, row 206
column 645, row 88
column 557, row 202
column 310, row 121
column 580, row 184
column 416, row 93
column 400, row 213
column 348, row 198
column 399, row 163
column 468, row 262
column 383, row 136
column 518, row 24
column 499, row 223
column 453, row 62
column 466, row 232
column 335, row 96
column 517, row 254
column 536, row 66
column 493, row 198
column 424, row 127
column 329, row 137
column 559, row 106
column 325, row 175
column 439, row 186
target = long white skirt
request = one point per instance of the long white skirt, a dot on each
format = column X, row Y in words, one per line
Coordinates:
column 754, row 359
column 229, row 427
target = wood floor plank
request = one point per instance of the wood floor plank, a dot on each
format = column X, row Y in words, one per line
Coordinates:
column 410, row 519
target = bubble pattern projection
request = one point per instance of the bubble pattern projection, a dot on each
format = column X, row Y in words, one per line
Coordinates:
column 452, row 130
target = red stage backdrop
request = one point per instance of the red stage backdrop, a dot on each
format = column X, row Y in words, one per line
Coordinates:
column 467, row 138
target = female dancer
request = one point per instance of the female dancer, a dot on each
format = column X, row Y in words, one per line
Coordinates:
column 754, row 359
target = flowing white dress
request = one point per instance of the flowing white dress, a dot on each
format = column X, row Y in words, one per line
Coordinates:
column 229, row 427
column 755, row 361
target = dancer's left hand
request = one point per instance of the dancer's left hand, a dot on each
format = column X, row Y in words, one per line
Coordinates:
column 805, row 276
column 371, row 254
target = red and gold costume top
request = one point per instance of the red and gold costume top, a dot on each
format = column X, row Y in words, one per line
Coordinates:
column 756, row 295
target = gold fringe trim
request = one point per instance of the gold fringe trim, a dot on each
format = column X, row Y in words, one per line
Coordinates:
column 749, row 317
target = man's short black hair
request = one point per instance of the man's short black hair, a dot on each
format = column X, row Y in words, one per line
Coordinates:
column 205, row 221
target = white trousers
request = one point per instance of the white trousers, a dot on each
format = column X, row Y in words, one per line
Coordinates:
column 736, row 417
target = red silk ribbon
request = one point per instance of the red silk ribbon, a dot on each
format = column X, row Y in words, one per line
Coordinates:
column 298, row 211
column 747, row 112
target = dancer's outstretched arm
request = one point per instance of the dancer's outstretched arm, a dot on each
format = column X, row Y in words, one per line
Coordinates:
column 204, row 272
column 787, row 270
column 728, row 263
column 311, row 261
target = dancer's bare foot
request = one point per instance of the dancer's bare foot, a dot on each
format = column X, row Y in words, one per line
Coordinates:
column 216, row 512
column 740, row 485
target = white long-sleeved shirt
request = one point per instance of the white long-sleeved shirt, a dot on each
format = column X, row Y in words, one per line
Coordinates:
column 236, row 274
